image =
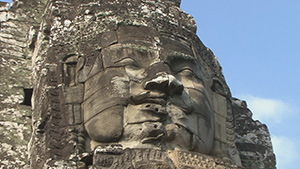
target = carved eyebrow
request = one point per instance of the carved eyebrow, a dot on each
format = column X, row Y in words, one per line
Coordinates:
column 179, row 63
column 179, row 55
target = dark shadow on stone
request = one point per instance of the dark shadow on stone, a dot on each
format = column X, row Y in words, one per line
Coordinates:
column 27, row 96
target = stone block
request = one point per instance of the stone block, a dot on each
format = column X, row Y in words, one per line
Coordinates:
column 4, row 6
column 74, row 94
column 3, row 16
column 109, row 38
column 75, row 114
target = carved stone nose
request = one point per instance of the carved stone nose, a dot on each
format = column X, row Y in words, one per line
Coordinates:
column 175, row 87
column 165, row 83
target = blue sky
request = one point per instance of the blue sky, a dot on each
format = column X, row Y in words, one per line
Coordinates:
column 257, row 43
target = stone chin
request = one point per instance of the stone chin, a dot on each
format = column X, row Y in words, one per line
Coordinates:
column 179, row 137
column 149, row 125
column 144, row 123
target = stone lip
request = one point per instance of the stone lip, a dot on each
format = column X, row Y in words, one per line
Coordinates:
column 149, row 97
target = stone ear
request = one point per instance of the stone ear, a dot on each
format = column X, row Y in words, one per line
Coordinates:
column 69, row 69
column 80, row 75
column 80, row 63
column 217, row 87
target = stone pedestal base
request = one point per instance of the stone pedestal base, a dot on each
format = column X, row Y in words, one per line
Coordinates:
column 115, row 157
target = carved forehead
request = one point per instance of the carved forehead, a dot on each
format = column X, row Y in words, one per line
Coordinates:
column 173, row 45
column 148, row 37
column 141, row 35
column 143, row 44
column 144, row 56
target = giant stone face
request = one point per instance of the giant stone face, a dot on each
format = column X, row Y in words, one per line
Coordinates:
column 146, row 91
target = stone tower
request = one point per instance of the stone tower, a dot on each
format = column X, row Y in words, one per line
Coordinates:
column 118, row 84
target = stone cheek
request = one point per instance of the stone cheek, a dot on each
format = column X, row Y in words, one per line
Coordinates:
column 102, row 92
column 105, row 96
column 107, row 126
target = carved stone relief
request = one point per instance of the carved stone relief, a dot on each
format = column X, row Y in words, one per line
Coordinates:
column 146, row 95
column 128, row 84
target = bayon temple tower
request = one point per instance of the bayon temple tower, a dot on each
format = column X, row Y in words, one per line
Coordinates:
column 119, row 84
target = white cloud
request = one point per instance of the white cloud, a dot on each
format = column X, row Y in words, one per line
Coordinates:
column 266, row 109
column 286, row 152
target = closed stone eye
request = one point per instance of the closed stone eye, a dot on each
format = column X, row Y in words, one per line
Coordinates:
column 186, row 72
column 128, row 62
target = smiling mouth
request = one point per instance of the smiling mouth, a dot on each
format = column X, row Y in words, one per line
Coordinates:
column 149, row 97
column 154, row 135
column 151, row 139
